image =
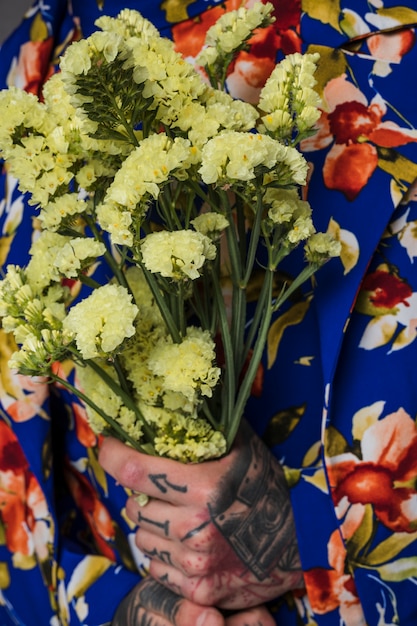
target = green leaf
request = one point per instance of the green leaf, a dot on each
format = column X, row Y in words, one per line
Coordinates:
column 335, row 442
column 292, row 317
column 396, row 165
column 332, row 63
column 326, row 11
column 401, row 14
column 282, row 424
column 363, row 535
column 388, row 549
column 399, row 570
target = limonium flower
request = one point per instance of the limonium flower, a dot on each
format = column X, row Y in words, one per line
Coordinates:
column 210, row 224
column 55, row 256
column 137, row 181
column 186, row 367
column 321, row 246
column 101, row 394
column 128, row 24
column 178, row 254
column 190, row 440
column 61, row 210
column 229, row 35
column 101, row 322
column 285, row 204
column 35, row 318
column 288, row 98
column 233, row 156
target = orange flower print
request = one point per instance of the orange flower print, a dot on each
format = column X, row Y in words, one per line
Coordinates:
column 251, row 68
column 23, row 507
column 33, row 66
column 353, row 127
column 82, row 427
column 383, row 474
column 30, row 394
column 331, row 589
column 95, row 513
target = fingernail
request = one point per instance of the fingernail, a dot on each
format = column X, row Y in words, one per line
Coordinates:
column 208, row 618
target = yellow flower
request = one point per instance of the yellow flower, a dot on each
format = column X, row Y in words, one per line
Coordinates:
column 233, row 156
column 186, row 367
column 177, row 254
column 322, row 246
column 210, row 224
column 101, row 322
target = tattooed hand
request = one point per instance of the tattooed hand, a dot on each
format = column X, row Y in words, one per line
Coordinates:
column 152, row 604
column 220, row 533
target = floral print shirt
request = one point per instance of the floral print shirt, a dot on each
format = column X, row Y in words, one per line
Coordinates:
column 336, row 396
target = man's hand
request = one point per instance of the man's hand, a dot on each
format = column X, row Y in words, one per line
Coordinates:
column 152, row 603
column 219, row 533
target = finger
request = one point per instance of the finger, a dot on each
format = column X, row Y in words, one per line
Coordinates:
column 185, row 525
column 151, row 603
column 157, row 477
column 156, row 516
column 258, row 616
column 176, row 555
column 211, row 590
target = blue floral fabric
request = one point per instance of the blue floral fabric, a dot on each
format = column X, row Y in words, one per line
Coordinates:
column 337, row 399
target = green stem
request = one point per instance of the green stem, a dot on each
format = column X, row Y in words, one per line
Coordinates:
column 125, row 397
column 246, row 383
column 160, row 301
column 108, row 257
column 116, row 429
column 254, row 238
column 261, row 304
column 229, row 389
column 306, row 273
column 89, row 282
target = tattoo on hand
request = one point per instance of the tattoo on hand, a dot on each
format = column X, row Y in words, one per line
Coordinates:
column 147, row 600
column 163, row 525
column 256, row 519
column 163, row 484
column 164, row 556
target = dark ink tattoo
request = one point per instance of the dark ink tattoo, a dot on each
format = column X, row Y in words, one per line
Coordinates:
column 163, row 484
column 143, row 605
column 163, row 525
column 195, row 531
column 256, row 518
column 164, row 556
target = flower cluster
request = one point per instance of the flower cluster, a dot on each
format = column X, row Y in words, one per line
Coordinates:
column 143, row 165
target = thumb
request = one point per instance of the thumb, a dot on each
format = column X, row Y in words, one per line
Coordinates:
column 257, row 616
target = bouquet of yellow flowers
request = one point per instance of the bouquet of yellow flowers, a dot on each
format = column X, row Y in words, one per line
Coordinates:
column 140, row 162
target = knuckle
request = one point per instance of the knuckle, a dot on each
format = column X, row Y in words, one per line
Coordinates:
column 196, row 565
column 205, row 597
column 130, row 474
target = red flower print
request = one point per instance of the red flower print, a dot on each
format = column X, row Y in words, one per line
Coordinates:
column 355, row 127
column 384, row 475
column 386, row 290
column 392, row 307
